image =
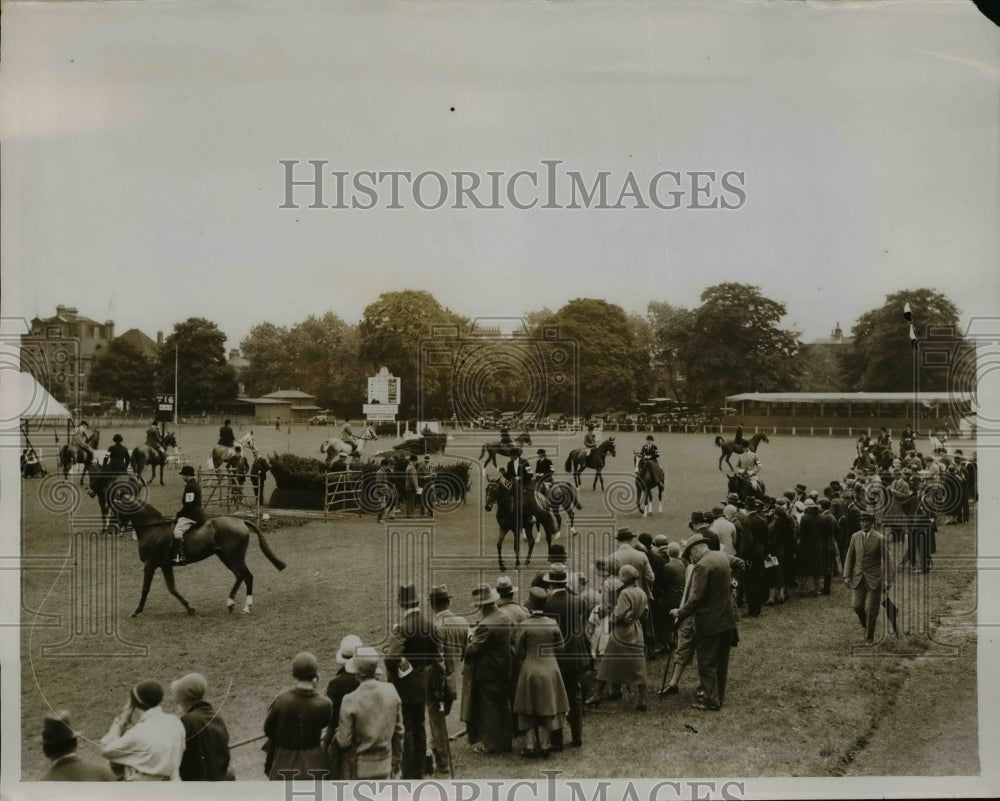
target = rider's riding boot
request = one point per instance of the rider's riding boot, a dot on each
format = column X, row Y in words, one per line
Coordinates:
column 179, row 557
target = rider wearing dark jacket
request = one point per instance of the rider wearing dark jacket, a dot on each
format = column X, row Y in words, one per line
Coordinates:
column 226, row 436
column 118, row 457
column 543, row 467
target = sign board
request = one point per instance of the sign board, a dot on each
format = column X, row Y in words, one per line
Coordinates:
column 384, row 388
column 391, row 409
column 165, row 408
column 380, row 417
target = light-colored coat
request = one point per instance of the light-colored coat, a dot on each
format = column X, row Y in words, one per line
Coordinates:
column 868, row 560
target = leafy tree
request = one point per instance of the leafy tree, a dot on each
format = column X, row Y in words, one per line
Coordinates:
column 391, row 331
column 671, row 329
column 205, row 378
column 736, row 345
column 610, row 356
column 122, row 371
column 269, row 368
column 821, row 370
column 323, row 355
column 881, row 357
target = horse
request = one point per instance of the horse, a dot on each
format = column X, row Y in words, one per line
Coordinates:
column 110, row 490
column 334, row 446
column 731, row 447
column 225, row 537
column 578, row 461
column 511, row 516
column 224, row 456
column 556, row 497
column 648, row 476
column 866, row 460
column 741, row 484
column 144, row 454
column 72, row 454
column 503, row 449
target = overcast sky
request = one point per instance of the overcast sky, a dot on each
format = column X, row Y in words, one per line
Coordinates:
column 142, row 144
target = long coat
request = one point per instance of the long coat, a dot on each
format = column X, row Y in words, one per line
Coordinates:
column 486, row 682
column 294, row 725
column 624, row 659
column 206, row 750
column 540, row 692
column 812, row 539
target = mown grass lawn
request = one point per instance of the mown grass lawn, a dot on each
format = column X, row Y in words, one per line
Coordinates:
column 800, row 702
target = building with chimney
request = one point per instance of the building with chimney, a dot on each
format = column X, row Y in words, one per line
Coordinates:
column 59, row 352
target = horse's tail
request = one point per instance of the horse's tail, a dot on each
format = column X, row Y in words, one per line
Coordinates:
column 719, row 441
column 482, row 453
column 264, row 547
column 569, row 462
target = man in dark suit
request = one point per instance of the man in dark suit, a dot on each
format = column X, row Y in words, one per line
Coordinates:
column 59, row 745
column 412, row 651
column 411, row 485
column 709, row 600
column 868, row 570
column 571, row 614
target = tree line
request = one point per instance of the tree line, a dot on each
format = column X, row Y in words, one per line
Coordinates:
column 589, row 355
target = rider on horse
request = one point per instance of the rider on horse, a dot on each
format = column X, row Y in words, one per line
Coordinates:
column 227, row 439
column 748, row 464
column 81, row 438
column 544, row 471
column 118, row 457
column 518, row 467
column 153, row 440
column 191, row 513
column 505, row 437
column 590, row 440
column 738, row 438
column 347, row 434
column 884, row 440
column 648, row 452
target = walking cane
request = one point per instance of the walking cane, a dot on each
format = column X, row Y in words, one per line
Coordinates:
column 670, row 663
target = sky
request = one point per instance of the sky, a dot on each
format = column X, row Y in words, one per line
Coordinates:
column 142, row 147
column 141, row 150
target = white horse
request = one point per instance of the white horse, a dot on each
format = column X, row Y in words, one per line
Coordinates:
column 334, row 446
column 223, row 456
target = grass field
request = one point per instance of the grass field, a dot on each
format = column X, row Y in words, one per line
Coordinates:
column 801, row 700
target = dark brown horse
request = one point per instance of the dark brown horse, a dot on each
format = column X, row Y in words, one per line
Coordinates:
column 503, row 449
column 225, row 537
column 648, row 476
column 144, row 454
column 71, row 454
column 512, row 516
column 731, row 447
column 579, row 460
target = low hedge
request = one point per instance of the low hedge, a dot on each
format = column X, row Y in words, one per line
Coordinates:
column 301, row 481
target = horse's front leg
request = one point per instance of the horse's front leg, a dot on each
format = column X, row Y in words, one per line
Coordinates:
column 168, row 576
column 163, row 464
column 148, row 570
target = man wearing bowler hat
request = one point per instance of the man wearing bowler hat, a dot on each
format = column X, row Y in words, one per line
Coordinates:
column 868, row 571
column 151, row 749
column 59, row 745
column 413, row 650
column 451, row 632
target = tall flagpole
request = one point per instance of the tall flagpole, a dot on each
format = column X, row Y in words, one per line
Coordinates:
column 914, row 344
